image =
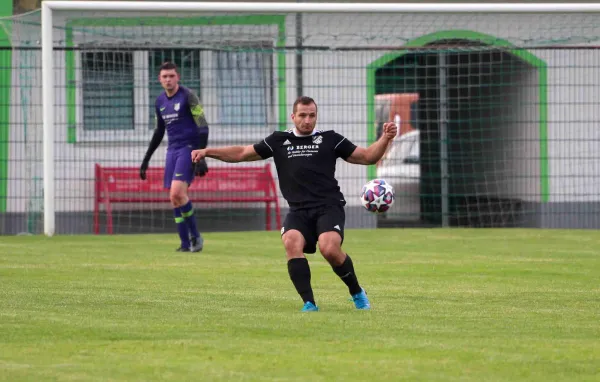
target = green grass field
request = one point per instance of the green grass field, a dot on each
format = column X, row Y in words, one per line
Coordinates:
column 448, row 305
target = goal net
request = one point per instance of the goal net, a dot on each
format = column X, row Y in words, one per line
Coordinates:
column 497, row 113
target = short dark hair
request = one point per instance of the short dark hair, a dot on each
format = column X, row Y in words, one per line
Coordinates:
column 168, row 66
column 303, row 100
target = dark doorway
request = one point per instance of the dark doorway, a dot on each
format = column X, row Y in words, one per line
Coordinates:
column 489, row 106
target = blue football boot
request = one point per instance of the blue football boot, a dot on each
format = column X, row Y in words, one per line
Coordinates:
column 309, row 307
column 361, row 301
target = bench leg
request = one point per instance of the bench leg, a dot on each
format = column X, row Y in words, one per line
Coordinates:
column 278, row 216
column 268, row 214
column 109, row 219
column 96, row 217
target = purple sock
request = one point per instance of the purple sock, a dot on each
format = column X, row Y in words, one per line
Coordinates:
column 182, row 228
column 187, row 212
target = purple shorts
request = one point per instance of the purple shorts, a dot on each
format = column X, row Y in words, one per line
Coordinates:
column 179, row 166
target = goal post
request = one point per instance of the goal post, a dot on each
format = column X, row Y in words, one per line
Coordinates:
column 510, row 64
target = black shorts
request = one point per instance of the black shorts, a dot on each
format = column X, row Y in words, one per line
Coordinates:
column 312, row 222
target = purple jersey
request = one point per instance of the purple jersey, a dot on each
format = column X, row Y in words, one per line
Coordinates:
column 182, row 116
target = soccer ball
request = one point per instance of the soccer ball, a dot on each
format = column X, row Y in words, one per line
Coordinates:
column 377, row 196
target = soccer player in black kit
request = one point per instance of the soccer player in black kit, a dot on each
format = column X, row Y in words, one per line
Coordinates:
column 305, row 159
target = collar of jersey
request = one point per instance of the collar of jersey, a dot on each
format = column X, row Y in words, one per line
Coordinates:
column 295, row 132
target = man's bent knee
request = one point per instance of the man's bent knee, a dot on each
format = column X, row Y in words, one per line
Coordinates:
column 330, row 246
column 294, row 242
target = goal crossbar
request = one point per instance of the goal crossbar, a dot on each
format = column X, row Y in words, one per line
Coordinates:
column 48, row 97
column 317, row 7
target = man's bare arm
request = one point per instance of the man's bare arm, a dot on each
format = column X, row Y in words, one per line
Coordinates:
column 371, row 154
column 375, row 152
column 231, row 154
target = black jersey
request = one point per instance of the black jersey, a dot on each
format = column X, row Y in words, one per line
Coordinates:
column 306, row 165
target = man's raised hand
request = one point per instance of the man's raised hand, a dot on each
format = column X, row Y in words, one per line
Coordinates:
column 390, row 130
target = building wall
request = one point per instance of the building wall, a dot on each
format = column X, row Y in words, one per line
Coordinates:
column 337, row 79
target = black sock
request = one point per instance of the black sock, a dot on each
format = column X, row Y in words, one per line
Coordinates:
column 346, row 273
column 300, row 275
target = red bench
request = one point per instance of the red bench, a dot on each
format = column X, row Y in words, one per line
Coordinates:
column 231, row 184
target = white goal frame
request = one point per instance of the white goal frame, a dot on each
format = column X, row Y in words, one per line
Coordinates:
column 48, row 7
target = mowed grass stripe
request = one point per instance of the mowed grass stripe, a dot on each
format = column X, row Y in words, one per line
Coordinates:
column 449, row 305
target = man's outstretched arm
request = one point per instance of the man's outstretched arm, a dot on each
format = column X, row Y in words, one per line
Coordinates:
column 231, row 154
column 375, row 152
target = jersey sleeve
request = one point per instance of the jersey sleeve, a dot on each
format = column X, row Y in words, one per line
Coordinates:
column 264, row 148
column 159, row 123
column 343, row 147
column 157, row 137
column 196, row 109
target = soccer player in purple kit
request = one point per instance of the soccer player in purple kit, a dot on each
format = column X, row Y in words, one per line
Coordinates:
column 179, row 113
